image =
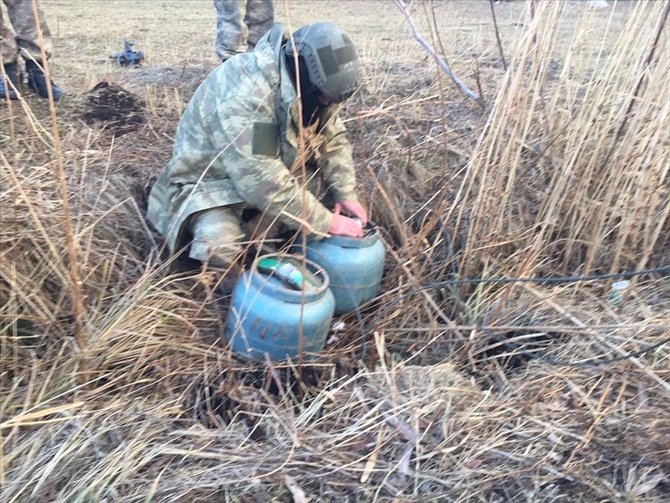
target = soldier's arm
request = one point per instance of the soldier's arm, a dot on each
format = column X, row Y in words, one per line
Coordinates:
column 251, row 156
column 336, row 163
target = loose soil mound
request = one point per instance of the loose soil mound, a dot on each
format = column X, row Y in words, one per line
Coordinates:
column 118, row 109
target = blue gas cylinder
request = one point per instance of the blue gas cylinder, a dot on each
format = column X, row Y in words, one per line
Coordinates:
column 275, row 304
column 354, row 265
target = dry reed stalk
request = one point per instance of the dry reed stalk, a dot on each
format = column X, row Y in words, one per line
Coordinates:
column 75, row 283
column 579, row 210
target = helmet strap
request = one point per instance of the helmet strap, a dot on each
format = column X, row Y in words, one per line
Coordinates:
column 309, row 93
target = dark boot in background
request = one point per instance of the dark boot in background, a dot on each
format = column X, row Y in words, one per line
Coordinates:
column 12, row 78
column 37, row 81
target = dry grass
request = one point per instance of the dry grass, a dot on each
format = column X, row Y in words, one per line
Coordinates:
column 455, row 398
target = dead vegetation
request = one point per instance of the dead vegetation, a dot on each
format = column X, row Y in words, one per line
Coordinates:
column 436, row 391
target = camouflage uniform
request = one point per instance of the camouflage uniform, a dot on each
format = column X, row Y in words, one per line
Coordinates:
column 237, row 146
column 240, row 24
column 26, row 39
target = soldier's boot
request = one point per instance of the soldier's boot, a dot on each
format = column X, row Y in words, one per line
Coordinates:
column 37, row 81
column 9, row 83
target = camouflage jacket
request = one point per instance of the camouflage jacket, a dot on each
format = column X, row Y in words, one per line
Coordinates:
column 237, row 142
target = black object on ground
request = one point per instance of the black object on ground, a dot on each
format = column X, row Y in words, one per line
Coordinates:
column 128, row 57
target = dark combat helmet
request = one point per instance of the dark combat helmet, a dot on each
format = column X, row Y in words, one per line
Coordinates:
column 330, row 58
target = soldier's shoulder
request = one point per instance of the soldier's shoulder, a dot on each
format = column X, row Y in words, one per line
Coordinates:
column 239, row 74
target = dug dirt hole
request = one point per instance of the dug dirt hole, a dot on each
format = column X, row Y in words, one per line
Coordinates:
column 114, row 108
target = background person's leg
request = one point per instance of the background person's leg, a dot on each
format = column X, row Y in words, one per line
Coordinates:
column 259, row 18
column 25, row 24
column 9, row 50
column 231, row 31
column 27, row 28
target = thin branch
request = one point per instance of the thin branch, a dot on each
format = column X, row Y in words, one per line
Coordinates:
column 495, row 25
column 443, row 64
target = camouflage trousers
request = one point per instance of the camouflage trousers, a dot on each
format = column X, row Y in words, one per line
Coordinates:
column 220, row 235
column 240, row 24
column 23, row 35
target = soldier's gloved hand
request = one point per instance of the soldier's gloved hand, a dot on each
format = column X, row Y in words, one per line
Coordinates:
column 345, row 226
column 353, row 207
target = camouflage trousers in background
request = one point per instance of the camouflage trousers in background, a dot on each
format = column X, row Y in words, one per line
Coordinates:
column 240, row 24
column 23, row 34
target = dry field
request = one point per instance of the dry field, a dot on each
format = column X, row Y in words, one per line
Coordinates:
column 456, row 384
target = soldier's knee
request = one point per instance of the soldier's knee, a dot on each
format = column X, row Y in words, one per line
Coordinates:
column 217, row 237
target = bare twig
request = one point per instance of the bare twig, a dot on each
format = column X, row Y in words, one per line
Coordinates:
column 443, row 64
column 495, row 25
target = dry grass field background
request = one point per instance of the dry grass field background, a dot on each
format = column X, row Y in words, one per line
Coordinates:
column 452, row 385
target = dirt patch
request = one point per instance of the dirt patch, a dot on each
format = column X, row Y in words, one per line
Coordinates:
column 114, row 107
